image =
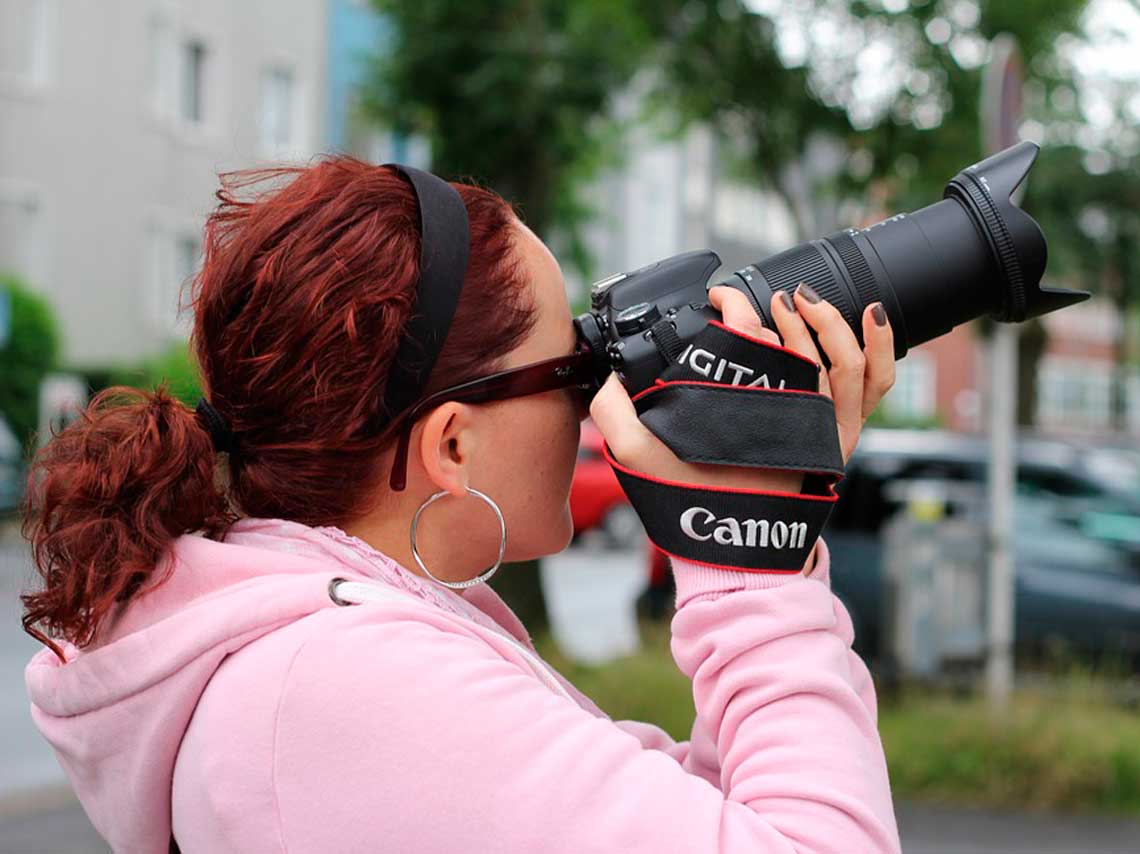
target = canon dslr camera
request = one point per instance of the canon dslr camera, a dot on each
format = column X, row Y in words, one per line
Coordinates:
column 972, row 253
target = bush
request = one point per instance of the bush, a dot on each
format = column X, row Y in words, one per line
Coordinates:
column 175, row 366
column 30, row 353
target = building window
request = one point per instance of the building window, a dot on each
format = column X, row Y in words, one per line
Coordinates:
column 278, row 137
column 1073, row 392
column 913, row 394
column 180, row 74
column 19, row 233
column 162, row 74
column 1132, row 402
column 174, row 257
column 24, row 31
column 193, row 81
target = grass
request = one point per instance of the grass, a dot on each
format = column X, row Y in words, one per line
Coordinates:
column 1069, row 749
column 1063, row 745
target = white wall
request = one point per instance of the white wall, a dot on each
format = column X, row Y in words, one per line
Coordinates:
column 104, row 180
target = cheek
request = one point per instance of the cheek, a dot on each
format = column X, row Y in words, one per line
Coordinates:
column 552, row 449
column 538, row 451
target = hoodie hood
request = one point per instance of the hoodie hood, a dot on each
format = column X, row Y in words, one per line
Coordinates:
column 115, row 712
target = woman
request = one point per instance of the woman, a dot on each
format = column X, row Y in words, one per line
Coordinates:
column 264, row 662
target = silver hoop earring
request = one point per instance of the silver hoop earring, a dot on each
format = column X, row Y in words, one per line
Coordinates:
column 479, row 579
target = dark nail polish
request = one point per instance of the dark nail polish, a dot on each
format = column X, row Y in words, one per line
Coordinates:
column 807, row 292
column 786, row 299
column 878, row 313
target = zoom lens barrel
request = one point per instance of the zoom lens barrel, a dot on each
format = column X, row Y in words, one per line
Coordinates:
column 973, row 253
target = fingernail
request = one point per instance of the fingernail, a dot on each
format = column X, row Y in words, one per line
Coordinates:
column 807, row 292
column 786, row 299
column 878, row 313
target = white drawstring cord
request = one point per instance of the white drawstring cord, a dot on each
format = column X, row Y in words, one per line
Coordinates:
column 344, row 592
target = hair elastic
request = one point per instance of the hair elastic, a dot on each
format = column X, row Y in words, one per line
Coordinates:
column 220, row 431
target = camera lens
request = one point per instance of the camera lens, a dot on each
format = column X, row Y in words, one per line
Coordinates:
column 970, row 254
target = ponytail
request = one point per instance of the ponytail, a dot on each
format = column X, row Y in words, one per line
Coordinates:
column 105, row 497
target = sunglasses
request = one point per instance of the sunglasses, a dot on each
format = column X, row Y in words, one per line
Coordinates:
column 575, row 369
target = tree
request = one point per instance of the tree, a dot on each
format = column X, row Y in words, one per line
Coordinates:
column 898, row 85
column 31, row 352
column 515, row 94
column 721, row 64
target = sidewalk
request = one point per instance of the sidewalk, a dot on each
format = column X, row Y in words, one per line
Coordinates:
column 29, row 763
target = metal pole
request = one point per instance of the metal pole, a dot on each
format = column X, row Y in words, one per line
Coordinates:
column 1001, row 482
column 1001, row 113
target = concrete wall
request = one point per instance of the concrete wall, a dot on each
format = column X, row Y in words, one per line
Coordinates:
column 104, row 180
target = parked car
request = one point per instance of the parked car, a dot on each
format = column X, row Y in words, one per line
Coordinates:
column 597, row 501
column 1076, row 534
column 1077, row 576
column 11, row 470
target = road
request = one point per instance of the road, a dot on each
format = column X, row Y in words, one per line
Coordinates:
column 58, row 826
column 39, row 816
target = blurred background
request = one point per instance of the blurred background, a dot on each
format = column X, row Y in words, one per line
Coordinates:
column 626, row 131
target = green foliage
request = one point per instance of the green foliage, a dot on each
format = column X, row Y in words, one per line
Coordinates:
column 31, row 352
column 1065, row 745
column 721, row 64
column 1074, row 751
column 175, row 366
column 881, row 418
column 901, row 142
column 514, row 94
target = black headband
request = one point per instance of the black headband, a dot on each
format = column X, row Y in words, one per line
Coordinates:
column 444, row 236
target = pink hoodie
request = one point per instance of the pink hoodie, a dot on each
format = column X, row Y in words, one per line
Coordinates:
column 241, row 708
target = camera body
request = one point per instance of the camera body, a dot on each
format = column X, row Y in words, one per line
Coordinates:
column 625, row 309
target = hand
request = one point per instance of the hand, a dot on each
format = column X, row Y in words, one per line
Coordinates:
column 634, row 445
column 856, row 383
column 858, row 379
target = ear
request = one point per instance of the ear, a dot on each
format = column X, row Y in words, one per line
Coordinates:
column 445, row 446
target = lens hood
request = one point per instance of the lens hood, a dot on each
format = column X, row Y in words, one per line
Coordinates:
column 1015, row 239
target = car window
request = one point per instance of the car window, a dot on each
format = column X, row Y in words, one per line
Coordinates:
column 1038, row 480
column 1041, row 539
column 1118, row 469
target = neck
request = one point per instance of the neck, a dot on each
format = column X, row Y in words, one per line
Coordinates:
column 448, row 552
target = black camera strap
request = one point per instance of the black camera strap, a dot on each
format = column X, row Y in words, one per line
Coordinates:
column 730, row 399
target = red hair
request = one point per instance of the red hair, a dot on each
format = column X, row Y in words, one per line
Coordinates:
column 308, row 280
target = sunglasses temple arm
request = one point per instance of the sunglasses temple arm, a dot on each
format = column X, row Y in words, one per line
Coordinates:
column 399, row 478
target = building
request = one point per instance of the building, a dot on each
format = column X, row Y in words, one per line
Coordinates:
column 354, row 31
column 115, row 118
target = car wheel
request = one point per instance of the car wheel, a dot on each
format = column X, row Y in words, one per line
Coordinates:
column 622, row 527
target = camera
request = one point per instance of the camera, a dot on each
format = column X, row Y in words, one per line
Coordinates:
column 971, row 254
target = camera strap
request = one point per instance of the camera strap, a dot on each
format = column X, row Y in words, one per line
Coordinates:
column 730, row 399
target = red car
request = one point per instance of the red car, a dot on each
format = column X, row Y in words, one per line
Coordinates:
column 596, row 497
column 598, row 502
